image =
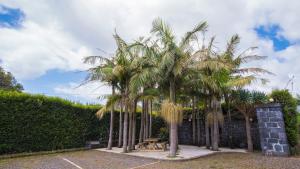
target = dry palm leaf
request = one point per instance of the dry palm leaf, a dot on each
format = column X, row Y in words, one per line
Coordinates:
column 171, row 112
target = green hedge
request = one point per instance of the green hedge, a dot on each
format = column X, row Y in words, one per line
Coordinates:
column 39, row 123
column 289, row 112
column 31, row 123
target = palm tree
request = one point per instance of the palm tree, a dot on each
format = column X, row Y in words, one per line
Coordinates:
column 245, row 101
column 213, row 76
column 103, row 72
column 237, row 78
column 174, row 61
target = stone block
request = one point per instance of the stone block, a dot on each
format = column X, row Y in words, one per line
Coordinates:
column 265, row 119
column 265, row 134
column 272, row 124
column 274, row 135
column 274, row 109
column 286, row 148
column 278, row 148
column 283, row 141
column 281, row 124
column 273, row 141
column 270, row 147
column 272, row 114
column 275, row 119
column 282, row 135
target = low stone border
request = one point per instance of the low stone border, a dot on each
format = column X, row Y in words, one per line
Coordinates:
column 41, row 153
column 181, row 156
column 176, row 159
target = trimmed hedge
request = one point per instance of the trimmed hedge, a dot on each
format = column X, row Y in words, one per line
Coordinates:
column 290, row 113
column 38, row 123
column 31, row 123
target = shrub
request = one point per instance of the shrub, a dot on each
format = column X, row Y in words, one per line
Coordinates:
column 39, row 123
column 32, row 123
column 163, row 134
column 289, row 105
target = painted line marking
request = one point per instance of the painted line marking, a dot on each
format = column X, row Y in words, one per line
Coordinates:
column 72, row 163
column 145, row 165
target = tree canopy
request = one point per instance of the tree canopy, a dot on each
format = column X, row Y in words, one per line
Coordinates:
column 8, row 81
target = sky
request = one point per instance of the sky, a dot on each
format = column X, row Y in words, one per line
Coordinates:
column 43, row 43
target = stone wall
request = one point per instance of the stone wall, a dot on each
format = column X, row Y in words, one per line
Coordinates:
column 272, row 130
column 239, row 138
column 238, row 133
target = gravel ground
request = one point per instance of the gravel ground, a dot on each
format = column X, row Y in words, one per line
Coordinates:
column 90, row 159
column 232, row 161
column 101, row 160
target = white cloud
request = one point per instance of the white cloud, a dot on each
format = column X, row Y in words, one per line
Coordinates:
column 57, row 34
column 89, row 93
column 31, row 51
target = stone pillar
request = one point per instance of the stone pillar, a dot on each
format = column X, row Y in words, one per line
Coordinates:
column 272, row 133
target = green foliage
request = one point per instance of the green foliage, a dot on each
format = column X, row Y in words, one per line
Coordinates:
column 249, row 97
column 163, row 134
column 39, row 123
column 8, row 82
column 245, row 101
column 32, row 123
column 157, row 124
column 289, row 105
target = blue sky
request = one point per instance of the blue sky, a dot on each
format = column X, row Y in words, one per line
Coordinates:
column 10, row 17
column 272, row 32
column 45, row 44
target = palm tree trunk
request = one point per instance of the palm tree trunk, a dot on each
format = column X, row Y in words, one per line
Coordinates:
column 144, row 119
column 120, row 125
column 134, row 125
column 173, row 125
column 211, row 135
column 141, row 134
column 194, row 121
column 215, row 146
column 147, row 118
column 150, row 120
column 125, row 128
column 111, row 126
column 198, row 127
column 130, row 130
column 248, row 132
column 207, row 141
column 230, row 142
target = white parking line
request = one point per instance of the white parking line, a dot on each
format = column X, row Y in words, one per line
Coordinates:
column 72, row 163
column 145, row 165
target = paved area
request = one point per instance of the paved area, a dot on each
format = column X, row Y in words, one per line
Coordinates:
column 93, row 159
column 231, row 161
column 90, row 159
column 185, row 152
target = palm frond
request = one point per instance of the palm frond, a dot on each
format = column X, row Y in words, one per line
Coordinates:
column 92, row 60
column 231, row 46
column 252, row 70
column 110, row 103
column 201, row 27
column 171, row 112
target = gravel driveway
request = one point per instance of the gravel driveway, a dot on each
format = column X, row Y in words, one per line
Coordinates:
column 92, row 159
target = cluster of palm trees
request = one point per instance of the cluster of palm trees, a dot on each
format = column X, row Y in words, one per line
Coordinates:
column 160, row 68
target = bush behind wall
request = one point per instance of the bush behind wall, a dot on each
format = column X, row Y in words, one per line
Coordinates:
column 289, row 105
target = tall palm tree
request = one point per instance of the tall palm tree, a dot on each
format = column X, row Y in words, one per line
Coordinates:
column 213, row 74
column 239, row 76
column 175, row 59
column 104, row 73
